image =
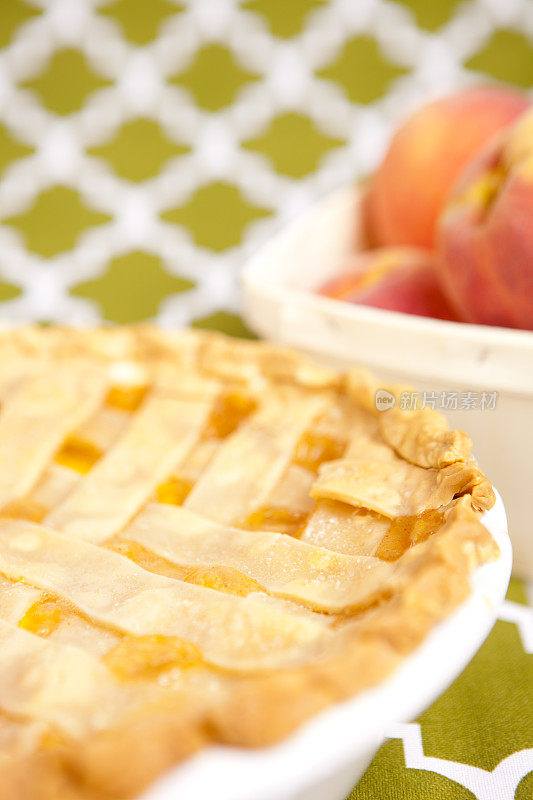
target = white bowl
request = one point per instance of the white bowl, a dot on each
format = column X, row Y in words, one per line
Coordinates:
column 325, row 757
column 432, row 354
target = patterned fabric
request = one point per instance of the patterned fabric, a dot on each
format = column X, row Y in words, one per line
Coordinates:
column 476, row 741
column 147, row 147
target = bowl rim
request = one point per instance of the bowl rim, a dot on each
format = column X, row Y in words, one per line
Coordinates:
column 346, row 731
column 295, row 305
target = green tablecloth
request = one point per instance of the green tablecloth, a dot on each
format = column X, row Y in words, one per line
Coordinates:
column 148, row 146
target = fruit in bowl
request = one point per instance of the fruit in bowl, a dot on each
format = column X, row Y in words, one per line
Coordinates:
column 449, row 247
column 393, row 278
column 426, row 157
column 486, row 234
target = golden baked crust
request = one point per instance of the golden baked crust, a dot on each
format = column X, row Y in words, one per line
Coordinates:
column 206, row 540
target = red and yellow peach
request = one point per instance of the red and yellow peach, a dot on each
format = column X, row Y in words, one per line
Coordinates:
column 393, row 278
column 425, row 158
column 486, row 234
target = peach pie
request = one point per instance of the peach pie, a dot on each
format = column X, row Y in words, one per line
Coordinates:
column 206, row 540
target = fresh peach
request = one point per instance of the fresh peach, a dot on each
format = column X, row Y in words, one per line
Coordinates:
column 426, row 157
column 392, row 278
column 486, row 234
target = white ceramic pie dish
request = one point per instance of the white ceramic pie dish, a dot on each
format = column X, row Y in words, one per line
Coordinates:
column 324, row 759
column 432, row 355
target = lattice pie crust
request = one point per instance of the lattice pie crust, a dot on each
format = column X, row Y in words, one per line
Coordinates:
column 206, row 540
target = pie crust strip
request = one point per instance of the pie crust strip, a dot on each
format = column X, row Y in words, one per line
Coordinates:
column 345, row 529
column 250, row 462
column 158, row 437
column 396, row 488
column 59, row 684
column 282, row 564
column 420, row 435
column 37, row 414
column 236, row 633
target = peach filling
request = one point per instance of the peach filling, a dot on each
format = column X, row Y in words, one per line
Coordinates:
column 146, row 657
column 228, row 411
column 313, row 449
column 405, row 532
column 126, row 398
column 275, row 519
column 174, row 491
column 146, row 559
column 25, row 508
column 223, row 579
column 45, row 615
column 78, row 455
